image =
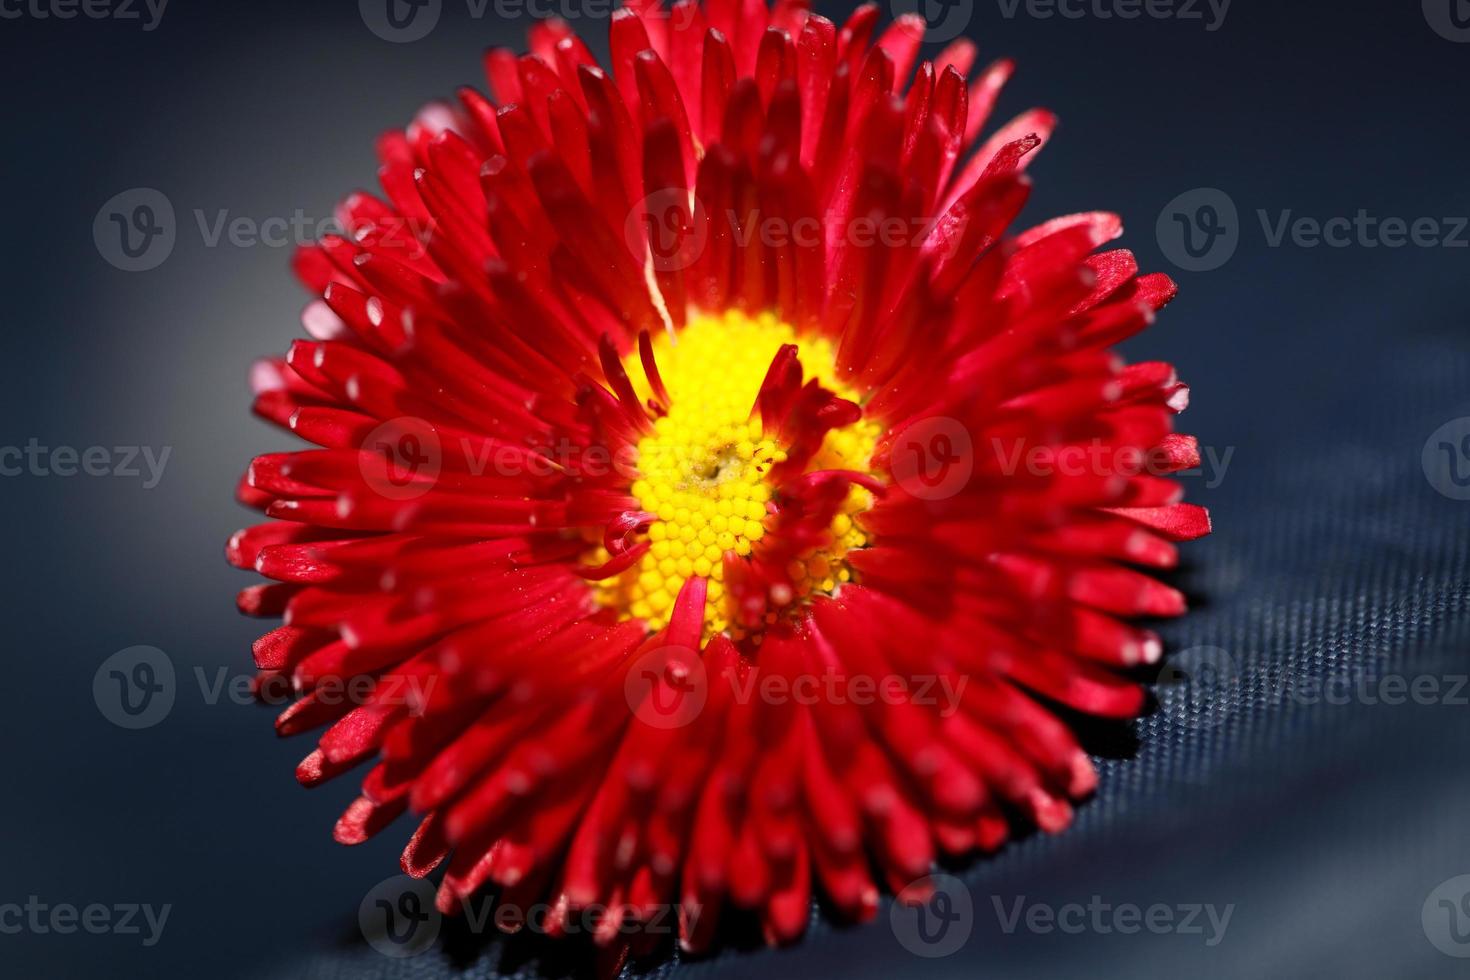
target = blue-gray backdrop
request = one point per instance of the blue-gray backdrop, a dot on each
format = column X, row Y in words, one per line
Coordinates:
column 1320, row 372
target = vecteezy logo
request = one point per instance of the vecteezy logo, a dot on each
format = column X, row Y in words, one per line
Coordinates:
column 667, row 687
column 134, row 688
column 1446, row 917
column 1456, row 454
column 1199, row 230
column 1446, row 459
column 400, row 21
column 1195, row 685
column 1449, row 18
column 944, row 20
column 135, row 231
column 933, row 916
column 670, row 227
column 398, row 917
column 933, row 458
column 402, row 458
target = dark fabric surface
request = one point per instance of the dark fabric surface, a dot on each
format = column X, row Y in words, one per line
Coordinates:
column 1323, row 370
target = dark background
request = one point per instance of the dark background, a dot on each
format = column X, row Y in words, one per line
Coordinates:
column 1324, row 369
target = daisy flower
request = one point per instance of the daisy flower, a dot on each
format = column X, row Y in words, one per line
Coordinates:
column 713, row 499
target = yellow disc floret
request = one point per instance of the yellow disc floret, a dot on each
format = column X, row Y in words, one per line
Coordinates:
column 704, row 472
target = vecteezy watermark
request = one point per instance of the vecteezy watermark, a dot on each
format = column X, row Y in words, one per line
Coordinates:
column 1102, row 918
column 674, row 229
column 594, row 919
column 1446, row 917
column 137, row 230
column 404, row 458
column 1209, row 13
column 1197, row 688
column 396, row 233
column 134, row 688
column 680, row 18
column 403, row 21
column 1200, row 687
column 1366, row 686
column 126, row 462
column 1450, row 19
column 1200, row 230
column 1362, row 230
column 399, row 918
column 39, row 918
column 148, row 13
column 668, row 687
column 933, row 916
column 1446, row 459
column 137, row 688
column 671, row 226
column 932, row 458
column 940, row 691
column 944, row 20
column 1098, row 458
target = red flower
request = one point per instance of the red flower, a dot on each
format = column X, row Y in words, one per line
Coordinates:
column 658, row 420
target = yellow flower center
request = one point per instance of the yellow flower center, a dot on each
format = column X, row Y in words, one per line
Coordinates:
column 705, row 469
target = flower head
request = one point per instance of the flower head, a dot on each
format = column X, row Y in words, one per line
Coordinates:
column 712, row 496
